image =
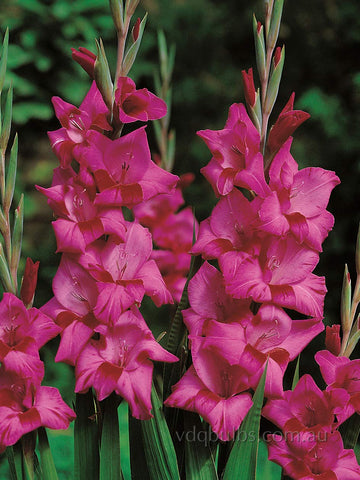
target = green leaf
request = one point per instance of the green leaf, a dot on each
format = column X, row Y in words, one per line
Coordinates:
column 266, row 468
column 123, row 413
column 159, row 448
column 350, row 431
column 163, row 54
column 274, row 83
column 15, row 464
column 133, row 49
column 17, row 237
column 102, row 75
column 139, row 470
column 259, row 48
column 3, row 60
column 296, row 373
column 110, row 440
column 11, row 176
column 345, row 307
column 86, row 438
column 117, row 13
column 199, row 461
column 243, row 456
column 46, row 458
column 6, row 124
column 275, row 23
column 5, row 276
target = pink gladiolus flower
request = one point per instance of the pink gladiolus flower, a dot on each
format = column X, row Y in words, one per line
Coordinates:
column 24, row 408
column 326, row 459
column 174, row 268
column 343, row 375
column 85, row 59
column 76, row 293
column 76, row 122
column 236, row 155
column 209, row 301
column 124, row 273
column 230, row 227
column 219, row 399
column 120, row 361
column 286, row 124
column 81, row 221
column 298, row 200
column 176, row 232
column 306, row 408
column 22, row 333
column 123, row 169
column 29, row 282
column 172, row 232
column 135, row 104
column 281, row 274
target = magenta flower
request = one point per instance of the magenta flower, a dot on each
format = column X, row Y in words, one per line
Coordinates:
column 306, row 408
column 298, row 201
column 22, row 333
column 156, row 210
column 231, row 226
column 76, row 122
column 341, row 375
column 123, row 169
column 209, row 301
column 281, row 274
column 135, row 104
column 219, row 398
column 24, row 408
column 174, row 268
column 124, row 273
column 80, row 221
column 236, row 155
column 325, row 460
column 76, row 293
column 120, row 361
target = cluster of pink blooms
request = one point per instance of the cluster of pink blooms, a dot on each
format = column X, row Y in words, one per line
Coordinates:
column 25, row 404
column 108, row 263
column 265, row 235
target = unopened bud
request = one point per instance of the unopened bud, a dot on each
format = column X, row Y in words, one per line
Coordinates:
column 277, row 56
column 332, row 339
column 29, row 282
column 136, row 29
column 249, row 87
column 288, row 121
column 85, row 59
column 346, row 301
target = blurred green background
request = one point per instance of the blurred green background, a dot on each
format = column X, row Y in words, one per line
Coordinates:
column 214, row 43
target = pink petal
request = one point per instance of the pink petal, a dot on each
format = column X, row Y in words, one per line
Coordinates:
column 53, row 411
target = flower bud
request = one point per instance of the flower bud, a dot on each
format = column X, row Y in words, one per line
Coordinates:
column 346, row 302
column 249, row 87
column 85, row 59
column 29, row 282
column 332, row 339
column 136, row 29
column 116, row 7
column 288, row 121
column 259, row 47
